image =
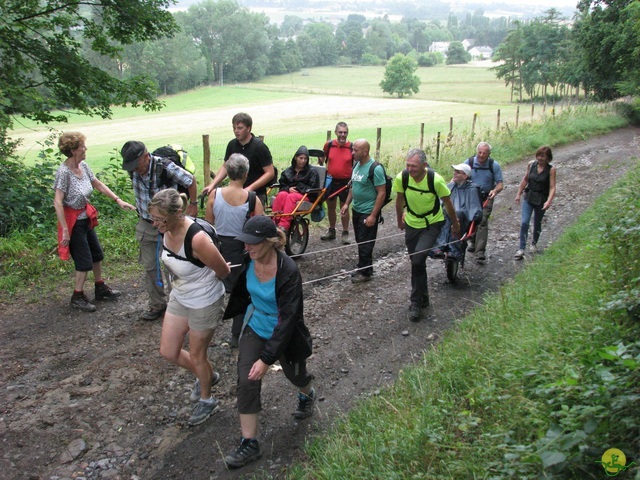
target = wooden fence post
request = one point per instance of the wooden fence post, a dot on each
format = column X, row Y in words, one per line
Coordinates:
column 532, row 107
column 473, row 125
column 438, row 147
column 450, row 136
column 498, row 120
column 517, row 115
column 206, row 159
column 378, row 141
column 421, row 135
column 328, row 135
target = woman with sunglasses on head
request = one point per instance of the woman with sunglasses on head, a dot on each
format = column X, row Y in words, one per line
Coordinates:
column 196, row 302
column 539, row 187
column 77, row 218
column 269, row 294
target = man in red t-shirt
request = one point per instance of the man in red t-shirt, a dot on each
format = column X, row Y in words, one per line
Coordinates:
column 339, row 159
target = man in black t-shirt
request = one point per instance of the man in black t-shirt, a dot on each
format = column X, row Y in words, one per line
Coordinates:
column 261, row 171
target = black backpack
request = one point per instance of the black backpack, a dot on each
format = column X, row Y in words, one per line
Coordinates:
column 388, row 181
column 198, row 224
column 431, row 189
column 179, row 157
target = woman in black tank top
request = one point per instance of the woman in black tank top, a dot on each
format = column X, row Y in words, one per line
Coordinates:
column 539, row 187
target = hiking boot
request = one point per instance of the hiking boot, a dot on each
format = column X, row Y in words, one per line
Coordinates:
column 360, row 278
column 247, row 452
column 471, row 247
column 480, row 257
column 519, row 255
column 305, row 404
column 80, row 301
column 233, row 341
column 152, row 314
column 415, row 313
column 534, row 248
column 202, row 411
column 345, row 237
column 330, row 235
column 105, row 292
column 195, row 392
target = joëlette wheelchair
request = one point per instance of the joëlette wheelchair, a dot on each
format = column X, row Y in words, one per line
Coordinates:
column 309, row 206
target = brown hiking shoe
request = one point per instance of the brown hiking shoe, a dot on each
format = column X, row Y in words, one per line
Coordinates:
column 80, row 301
column 105, row 292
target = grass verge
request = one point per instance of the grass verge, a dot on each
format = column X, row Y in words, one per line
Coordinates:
column 537, row 383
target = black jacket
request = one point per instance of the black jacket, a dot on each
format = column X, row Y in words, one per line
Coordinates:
column 303, row 181
column 291, row 337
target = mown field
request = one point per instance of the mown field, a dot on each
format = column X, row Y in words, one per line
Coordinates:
column 296, row 109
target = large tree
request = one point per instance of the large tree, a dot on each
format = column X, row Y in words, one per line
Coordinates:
column 399, row 78
column 608, row 31
column 42, row 66
column 234, row 40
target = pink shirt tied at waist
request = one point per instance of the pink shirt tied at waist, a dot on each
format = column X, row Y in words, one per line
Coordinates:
column 71, row 215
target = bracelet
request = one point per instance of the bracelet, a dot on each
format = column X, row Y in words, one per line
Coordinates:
column 193, row 203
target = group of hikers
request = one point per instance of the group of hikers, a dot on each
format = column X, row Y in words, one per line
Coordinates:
column 242, row 273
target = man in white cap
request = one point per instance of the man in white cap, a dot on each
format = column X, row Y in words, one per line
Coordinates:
column 466, row 198
column 420, row 190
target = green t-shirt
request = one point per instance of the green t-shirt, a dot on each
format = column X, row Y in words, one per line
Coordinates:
column 362, row 190
column 422, row 202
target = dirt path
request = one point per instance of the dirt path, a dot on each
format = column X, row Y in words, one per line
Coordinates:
column 89, row 395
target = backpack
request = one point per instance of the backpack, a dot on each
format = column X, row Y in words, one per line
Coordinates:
column 431, row 189
column 178, row 155
column 488, row 166
column 197, row 225
column 387, row 185
column 329, row 145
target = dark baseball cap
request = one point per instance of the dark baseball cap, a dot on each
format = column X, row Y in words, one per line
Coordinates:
column 256, row 229
column 131, row 153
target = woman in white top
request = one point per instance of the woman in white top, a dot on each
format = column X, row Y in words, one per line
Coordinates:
column 196, row 302
column 228, row 209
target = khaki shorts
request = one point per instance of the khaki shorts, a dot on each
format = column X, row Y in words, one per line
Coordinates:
column 200, row 319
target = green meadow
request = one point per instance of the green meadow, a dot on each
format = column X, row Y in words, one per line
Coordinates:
column 290, row 110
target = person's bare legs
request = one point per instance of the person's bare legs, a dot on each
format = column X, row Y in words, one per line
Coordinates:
column 174, row 329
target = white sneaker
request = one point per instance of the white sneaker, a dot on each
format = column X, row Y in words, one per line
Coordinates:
column 519, row 255
column 534, row 248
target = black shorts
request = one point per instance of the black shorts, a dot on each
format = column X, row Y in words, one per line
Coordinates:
column 337, row 185
column 84, row 246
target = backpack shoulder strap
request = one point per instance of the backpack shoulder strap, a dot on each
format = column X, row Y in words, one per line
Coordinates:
column 430, row 182
column 252, row 203
column 372, row 169
column 405, row 180
column 188, row 239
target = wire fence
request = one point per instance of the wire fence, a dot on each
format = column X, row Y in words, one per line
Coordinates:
column 389, row 143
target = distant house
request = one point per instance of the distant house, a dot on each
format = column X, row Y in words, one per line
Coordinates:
column 467, row 43
column 481, row 53
column 441, row 47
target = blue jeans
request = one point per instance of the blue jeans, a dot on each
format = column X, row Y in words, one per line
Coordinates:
column 538, row 214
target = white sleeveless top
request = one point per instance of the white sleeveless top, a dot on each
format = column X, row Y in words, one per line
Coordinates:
column 229, row 219
column 192, row 286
